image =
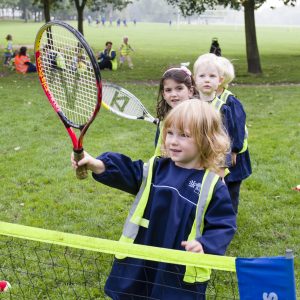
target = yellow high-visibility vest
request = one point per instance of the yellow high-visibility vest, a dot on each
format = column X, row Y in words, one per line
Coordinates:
column 136, row 218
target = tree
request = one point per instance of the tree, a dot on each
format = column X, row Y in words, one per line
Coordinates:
column 47, row 6
column 96, row 5
column 189, row 7
column 80, row 9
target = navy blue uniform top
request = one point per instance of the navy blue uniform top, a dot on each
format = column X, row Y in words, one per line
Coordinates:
column 172, row 203
column 171, row 212
column 107, row 56
column 242, row 169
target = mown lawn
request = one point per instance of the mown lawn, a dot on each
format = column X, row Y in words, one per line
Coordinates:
column 39, row 188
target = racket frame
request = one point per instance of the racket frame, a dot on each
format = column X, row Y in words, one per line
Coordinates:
column 146, row 116
column 69, row 125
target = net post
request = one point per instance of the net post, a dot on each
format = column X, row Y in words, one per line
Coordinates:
column 289, row 254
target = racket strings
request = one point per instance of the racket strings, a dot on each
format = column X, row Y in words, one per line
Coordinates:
column 121, row 102
column 69, row 74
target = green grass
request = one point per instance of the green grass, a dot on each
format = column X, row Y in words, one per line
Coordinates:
column 159, row 46
column 39, row 188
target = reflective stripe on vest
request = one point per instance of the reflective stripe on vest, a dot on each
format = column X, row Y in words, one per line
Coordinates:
column 217, row 103
column 157, row 151
column 193, row 274
column 135, row 218
column 223, row 97
column 114, row 62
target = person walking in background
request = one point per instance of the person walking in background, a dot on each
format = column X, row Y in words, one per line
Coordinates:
column 8, row 51
column 124, row 53
column 22, row 62
column 169, row 190
column 107, row 59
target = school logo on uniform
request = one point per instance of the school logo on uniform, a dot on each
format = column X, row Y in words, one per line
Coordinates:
column 196, row 186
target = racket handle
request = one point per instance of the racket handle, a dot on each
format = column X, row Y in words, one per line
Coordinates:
column 81, row 171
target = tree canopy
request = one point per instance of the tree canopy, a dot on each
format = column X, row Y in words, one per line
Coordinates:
column 190, row 7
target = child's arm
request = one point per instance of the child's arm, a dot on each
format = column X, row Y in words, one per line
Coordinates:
column 239, row 121
column 219, row 222
column 92, row 164
column 115, row 170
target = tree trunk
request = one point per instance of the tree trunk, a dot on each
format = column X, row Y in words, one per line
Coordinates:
column 47, row 10
column 80, row 9
column 253, row 58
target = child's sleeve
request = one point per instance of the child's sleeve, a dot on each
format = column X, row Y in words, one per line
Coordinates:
column 239, row 120
column 219, row 222
column 228, row 120
column 121, row 172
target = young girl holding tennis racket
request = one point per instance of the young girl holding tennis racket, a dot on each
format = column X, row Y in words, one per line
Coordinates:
column 180, row 204
column 176, row 85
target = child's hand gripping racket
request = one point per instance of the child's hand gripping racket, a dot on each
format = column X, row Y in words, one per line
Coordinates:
column 70, row 77
column 122, row 103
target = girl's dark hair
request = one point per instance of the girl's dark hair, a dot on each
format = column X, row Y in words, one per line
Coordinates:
column 22, row 51
column 180, row 76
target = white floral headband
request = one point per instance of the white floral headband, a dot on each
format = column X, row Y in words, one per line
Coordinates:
column 182, row 68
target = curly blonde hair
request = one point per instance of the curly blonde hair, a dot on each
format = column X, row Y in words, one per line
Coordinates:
column 204, row 124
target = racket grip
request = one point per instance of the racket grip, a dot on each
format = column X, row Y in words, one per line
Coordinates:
column 81, row 171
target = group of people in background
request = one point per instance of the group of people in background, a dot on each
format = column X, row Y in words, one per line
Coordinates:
column 17, row 60
column 187, row 194
column 107, row 59
column 103, row 21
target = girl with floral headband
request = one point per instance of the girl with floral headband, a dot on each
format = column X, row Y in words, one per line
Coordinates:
column 176, row 86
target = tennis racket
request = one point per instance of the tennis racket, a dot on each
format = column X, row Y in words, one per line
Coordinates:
column 122, row 103
column 70, row 77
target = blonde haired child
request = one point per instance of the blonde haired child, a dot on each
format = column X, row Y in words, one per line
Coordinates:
column 125, row 50
column 241, row 165
column 209, row 75
column 194, row 142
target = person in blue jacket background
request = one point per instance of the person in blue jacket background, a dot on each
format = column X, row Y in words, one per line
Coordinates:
column 185, row 205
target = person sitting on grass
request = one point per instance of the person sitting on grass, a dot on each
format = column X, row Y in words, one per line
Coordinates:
column 22, row 62
column 108, row 58
column 181, row 203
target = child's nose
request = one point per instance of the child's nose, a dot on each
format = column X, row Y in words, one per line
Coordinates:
column 174, row 139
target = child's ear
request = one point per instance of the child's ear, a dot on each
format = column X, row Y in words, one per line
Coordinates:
column 221, row 80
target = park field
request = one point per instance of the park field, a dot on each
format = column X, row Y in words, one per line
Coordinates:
column 39, row 188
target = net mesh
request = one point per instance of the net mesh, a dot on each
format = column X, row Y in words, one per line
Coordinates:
column 52, row 270
column 122, row 102
column 43, row 271
column 69, row 74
